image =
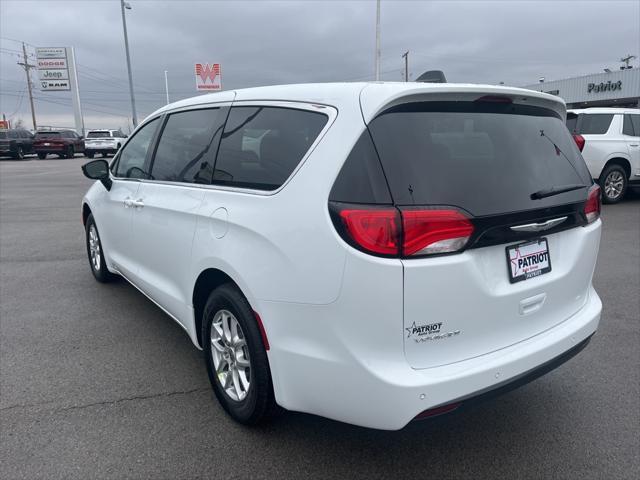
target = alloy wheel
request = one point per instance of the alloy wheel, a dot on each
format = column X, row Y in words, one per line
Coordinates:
column 230, row 355
column 614, row 184
column 94, row 248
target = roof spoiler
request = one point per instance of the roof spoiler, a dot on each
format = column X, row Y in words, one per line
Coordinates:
column 432, row 76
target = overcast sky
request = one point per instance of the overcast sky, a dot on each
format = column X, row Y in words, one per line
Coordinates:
column 269, row 42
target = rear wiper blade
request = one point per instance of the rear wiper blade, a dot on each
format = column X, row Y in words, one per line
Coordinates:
column 556, row 190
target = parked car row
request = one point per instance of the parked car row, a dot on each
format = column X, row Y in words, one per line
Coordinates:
column 64, row 143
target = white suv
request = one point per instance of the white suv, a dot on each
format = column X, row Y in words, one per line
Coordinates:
column 369, row 252
column 103, row 142
column 609, row 139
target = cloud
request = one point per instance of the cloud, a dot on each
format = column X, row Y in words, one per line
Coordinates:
column 269, row 42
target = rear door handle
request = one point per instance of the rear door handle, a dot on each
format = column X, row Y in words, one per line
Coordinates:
column 137, row 203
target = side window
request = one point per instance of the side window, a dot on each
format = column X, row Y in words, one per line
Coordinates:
column 13, row 134
column 133, row 155
column 186, row 149
column 635, row 120
column 595, row 123
column 261, row 146
column 627, row 126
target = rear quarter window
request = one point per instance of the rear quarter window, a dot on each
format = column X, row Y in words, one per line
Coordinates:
column 594, row 123
column 261, row 145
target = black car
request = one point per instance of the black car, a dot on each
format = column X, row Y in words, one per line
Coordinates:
column 16, row 143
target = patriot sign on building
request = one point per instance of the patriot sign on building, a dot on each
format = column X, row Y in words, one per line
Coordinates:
column 208, row 77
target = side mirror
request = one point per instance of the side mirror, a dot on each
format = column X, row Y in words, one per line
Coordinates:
column 98, row 170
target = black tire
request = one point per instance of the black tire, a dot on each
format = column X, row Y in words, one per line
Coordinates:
column 19, row 155
column 614, row 179
column 70, row 152
column 89, row 154
column 100, row 272
column 42, row 156
column 258, row 406
column 104, row 154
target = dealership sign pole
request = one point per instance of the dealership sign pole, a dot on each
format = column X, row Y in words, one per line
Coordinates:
column 57, row 72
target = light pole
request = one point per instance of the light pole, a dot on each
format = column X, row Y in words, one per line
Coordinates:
column 377, row 40
column 126, row 5
column 166, row 86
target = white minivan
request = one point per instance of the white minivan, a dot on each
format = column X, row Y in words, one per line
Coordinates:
column 373, row 253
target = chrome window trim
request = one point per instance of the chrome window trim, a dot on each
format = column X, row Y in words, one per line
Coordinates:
column 330, row 111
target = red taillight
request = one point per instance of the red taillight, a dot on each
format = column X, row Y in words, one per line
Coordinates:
column 579, row 139
column 375, row 230
column 406, row 232
column 593, row 204
column 434, row 231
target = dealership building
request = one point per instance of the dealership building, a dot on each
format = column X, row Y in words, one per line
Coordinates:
column 617, row 88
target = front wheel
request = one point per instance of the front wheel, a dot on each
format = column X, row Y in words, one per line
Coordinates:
column 42, row 156
column 89, row 154
column 96, row 253
column 70, row 152
column 19, row 155
column 613, row 182
column 236, row 358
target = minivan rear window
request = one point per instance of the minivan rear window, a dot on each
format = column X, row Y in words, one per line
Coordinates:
column 261, row 146
column 486, row 158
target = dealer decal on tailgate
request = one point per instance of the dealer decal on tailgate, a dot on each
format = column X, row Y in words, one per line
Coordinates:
column 528, row 260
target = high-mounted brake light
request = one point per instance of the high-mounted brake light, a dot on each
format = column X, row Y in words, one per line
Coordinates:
column 593, row 204
column 406, row 232
column 494, row 99
column 580, row 141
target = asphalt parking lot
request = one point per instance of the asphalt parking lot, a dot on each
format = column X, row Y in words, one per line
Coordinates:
column 96, row 382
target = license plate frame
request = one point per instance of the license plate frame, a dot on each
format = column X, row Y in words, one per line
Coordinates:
column 531, row 257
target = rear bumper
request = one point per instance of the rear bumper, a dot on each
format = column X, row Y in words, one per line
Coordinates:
column 50, row 149
column 378, row 389
column 96, row 149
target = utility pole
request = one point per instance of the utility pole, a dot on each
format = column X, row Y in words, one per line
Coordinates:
column 626, row 61
column 378, row 40
column 27, row 66
column 124, row 5
column 406, row 65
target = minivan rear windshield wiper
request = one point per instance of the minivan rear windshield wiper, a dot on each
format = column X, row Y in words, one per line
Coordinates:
column 556, row 190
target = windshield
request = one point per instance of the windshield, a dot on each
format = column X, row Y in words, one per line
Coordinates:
column 47, row 134
column 98, row 134
column 486, row 158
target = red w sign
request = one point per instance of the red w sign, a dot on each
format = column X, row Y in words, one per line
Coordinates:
column 208, row 77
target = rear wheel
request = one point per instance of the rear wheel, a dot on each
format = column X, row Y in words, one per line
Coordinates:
column 104, row 154
column 89, row 154
column 613, row 182
column 236, row 357
column 96, row 253
column 19, row 155
column 42, row 156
